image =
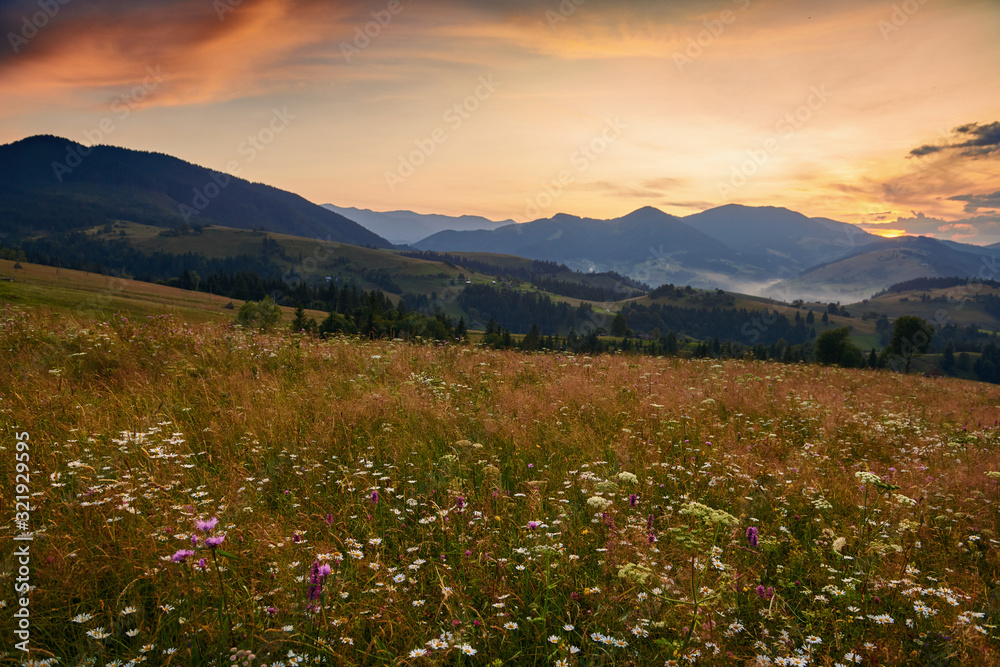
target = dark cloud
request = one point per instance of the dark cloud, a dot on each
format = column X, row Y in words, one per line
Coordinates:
column 979, row 230
column 969, row 140
column 975, row 202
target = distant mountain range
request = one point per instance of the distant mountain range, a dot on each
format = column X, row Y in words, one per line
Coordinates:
column 755, row 250
column 736, row 248
column 884, row 262
column 407, row 227
column 680, row 252
column 50, row 184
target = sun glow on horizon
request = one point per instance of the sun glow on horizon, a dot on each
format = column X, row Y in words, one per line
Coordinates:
column 887, row 233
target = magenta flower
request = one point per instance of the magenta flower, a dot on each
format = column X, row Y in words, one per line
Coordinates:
column 533, row 524
column 202, row 564
column 181, row 555
column 214, row 540
column 319, row 574
column 633, row 500
column 374, row 497
column 752, row 536
column 206, row 526
column 460, row 502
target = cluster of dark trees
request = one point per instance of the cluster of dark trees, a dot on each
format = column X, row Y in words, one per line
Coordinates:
column 588, row 292
column 113, row 256
column 730, row 324
column 376, row 317
column 499, row 337
column 351, row 309
column 912, row 337
column 987, row 366
column 520, row 311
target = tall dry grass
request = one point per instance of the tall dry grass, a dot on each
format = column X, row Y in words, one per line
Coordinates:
column 485, row 464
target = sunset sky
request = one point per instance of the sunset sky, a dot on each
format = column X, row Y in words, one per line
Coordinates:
column 877, row 113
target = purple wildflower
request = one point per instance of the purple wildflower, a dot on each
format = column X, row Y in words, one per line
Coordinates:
column 533, row 524
column 460, row 502
column 202, row 564
column 181, row 555
column 206, row 526
column 319, row 574
column 214, row 541
column 752, row 536
column 374, row 497
column 633, row 500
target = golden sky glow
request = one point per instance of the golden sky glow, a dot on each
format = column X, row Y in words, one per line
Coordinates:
column 525, row 109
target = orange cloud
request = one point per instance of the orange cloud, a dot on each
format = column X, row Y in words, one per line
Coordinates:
column 208, row 56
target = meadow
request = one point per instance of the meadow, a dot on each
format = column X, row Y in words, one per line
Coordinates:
column 203, row 495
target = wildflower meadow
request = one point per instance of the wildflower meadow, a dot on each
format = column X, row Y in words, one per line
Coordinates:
column 198, row 494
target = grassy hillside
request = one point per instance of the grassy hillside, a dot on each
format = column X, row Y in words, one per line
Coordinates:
column 388, row 503
column 66, row 292
column 93, row 295
column 311, row 259
column 958, row 303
